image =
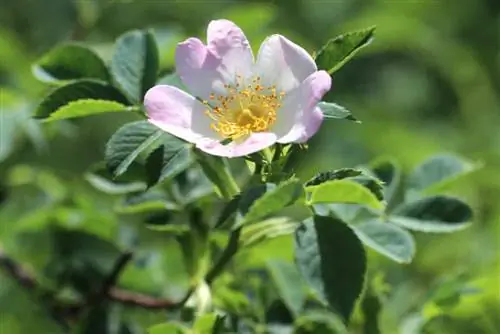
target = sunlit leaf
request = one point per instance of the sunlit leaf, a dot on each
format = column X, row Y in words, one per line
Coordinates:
column 343, row 191
column 274, row 200
column 339, row 50
column 168, row 328
column 99, row 97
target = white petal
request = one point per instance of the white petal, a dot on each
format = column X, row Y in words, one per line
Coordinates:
column 283, row 63
column 178, row 113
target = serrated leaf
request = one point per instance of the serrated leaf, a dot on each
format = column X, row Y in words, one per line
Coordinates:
column 168, row 160
column 334, row 111
column 339, row 50
column 389, row 240
column 70, row 62
column 77, row 90
column 343, row 191
column 437, row 214
column 332, row 261
column 134, row 65
column 438, row 171
column 390, row 174
column 128, row 143
column 273, row 200
column 289, row 284
column 338, row 174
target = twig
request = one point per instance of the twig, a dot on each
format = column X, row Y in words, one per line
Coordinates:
column 20, row 274
column 23, row 277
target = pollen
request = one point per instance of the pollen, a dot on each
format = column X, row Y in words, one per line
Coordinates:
column 245, row 109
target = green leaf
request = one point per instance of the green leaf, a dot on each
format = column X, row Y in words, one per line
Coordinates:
column 128, row 143
column 338, row 174
column 70, row 62
column 108, row 186
column 218, row 172
column 433, row 214
column 108, row 98
column 168, row 160
column 343, row 191
column 168, row 328
column 437, row 172
column 208, row 323
column 339, row 50
column 134, row 65
column 86, row 107
column 334, row 111
column 332, row 260
column 356, row 175
column 146, row 202
column 319, row 322
column 257, row 233
column 289, row 284
column 371, row 307
column 390, row 174
column 389, row 240
column 283, row 195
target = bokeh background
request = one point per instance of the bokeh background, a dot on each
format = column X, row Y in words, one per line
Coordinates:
column 429, row 83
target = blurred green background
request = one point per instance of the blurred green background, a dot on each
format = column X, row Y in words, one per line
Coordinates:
column 429, row 83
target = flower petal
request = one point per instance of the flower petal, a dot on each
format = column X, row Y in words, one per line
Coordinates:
column 205, row 69
column 299, row 118
column 198, row 68
column 224, row 35
column 283, row 63
column 177, row 113
column 255, row 142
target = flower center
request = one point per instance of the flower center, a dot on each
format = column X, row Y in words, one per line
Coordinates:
column 245, row 109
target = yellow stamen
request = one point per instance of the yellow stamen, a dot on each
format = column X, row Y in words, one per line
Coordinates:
column 245, row 109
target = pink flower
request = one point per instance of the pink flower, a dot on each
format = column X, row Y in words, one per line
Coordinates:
column 253, row 103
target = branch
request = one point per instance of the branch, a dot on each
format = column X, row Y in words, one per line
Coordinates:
column 24, row 278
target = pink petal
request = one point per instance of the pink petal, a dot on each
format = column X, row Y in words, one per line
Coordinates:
column 299, row 118
column 198, row 68
column 177, row 113
column 254, row 143
column 205, row 69
column 224, row 35
column 283, row 63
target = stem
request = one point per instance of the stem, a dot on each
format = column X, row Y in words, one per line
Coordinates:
column 228, row 187
column 225, row 258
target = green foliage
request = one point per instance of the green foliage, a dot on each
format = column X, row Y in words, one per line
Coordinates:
column 80, row 98
column 389, row 240
column 332, row 260
column 134, row 66
column 344, row 191
column 70, row 62
column 339, row 50
column 152, row 235
column 433, row 214
column 334, row 111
